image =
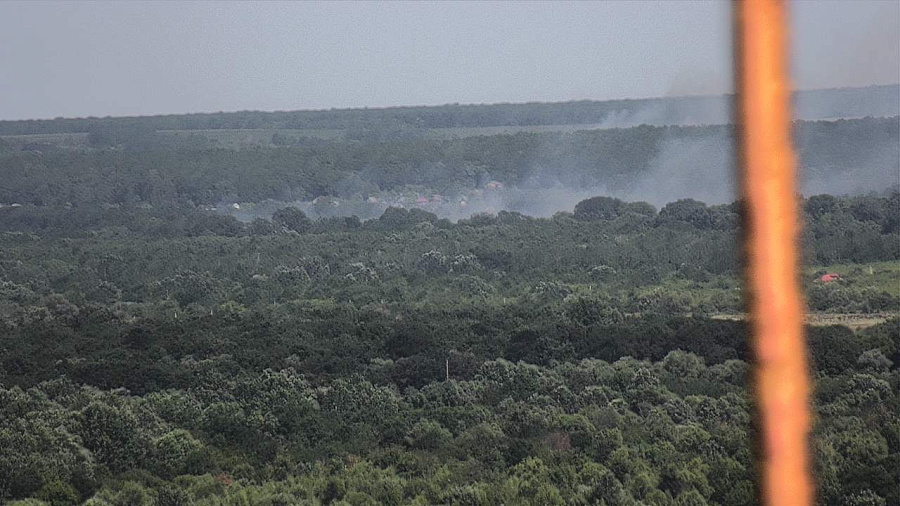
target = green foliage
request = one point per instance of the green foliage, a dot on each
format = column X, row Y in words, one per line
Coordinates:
column 113, row 436
column 153, row 356
column 57, row 493
column 291, row 218
column 133, row 161
column 599, row 208
column 428, row 435
column 175, row 453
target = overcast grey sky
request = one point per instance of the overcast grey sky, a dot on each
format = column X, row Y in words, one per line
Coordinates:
column 127, row 58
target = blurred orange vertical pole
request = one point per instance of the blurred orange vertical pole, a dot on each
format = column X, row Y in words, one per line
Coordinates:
column 781, row 384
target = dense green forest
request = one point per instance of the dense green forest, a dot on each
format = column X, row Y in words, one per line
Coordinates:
column 166, row 355
column 345, row 307
column 412, row 301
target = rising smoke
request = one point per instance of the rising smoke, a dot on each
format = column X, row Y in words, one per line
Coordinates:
column 683, row 165
column 701, row 168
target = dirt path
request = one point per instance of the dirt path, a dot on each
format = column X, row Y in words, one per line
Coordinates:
column 854, row 321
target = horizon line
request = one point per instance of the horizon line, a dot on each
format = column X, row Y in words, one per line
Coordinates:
column 434, row 106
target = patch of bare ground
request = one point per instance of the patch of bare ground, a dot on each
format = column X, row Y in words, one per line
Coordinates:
column 852, row 320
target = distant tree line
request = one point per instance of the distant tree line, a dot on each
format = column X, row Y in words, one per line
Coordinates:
column 814, row 104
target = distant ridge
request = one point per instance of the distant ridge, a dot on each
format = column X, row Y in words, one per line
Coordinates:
column 876, row 100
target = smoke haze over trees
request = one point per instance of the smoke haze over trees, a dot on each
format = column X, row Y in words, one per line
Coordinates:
column 518, row 303
column 539, row 172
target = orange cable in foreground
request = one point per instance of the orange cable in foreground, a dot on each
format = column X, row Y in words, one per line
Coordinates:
column 781, row 382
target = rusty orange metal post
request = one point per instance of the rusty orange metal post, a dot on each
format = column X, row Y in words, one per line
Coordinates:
column 781, row 383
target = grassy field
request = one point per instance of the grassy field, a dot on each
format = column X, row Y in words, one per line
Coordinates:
column 244, row 138
column 460, row 132
column 880, row 276
column 234, row 138
column 78, row 140
column 262, row 137
column 883, row 276
column 853, row 321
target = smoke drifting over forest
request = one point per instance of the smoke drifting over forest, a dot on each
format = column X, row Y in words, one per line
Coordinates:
column 699, row 168
column 453, row 160
column 809, row 105
column 685, row 163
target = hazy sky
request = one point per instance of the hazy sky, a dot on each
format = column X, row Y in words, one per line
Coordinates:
column 126, row 58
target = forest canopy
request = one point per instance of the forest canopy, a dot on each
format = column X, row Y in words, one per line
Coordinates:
column 456, row 305
column 170, row 355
